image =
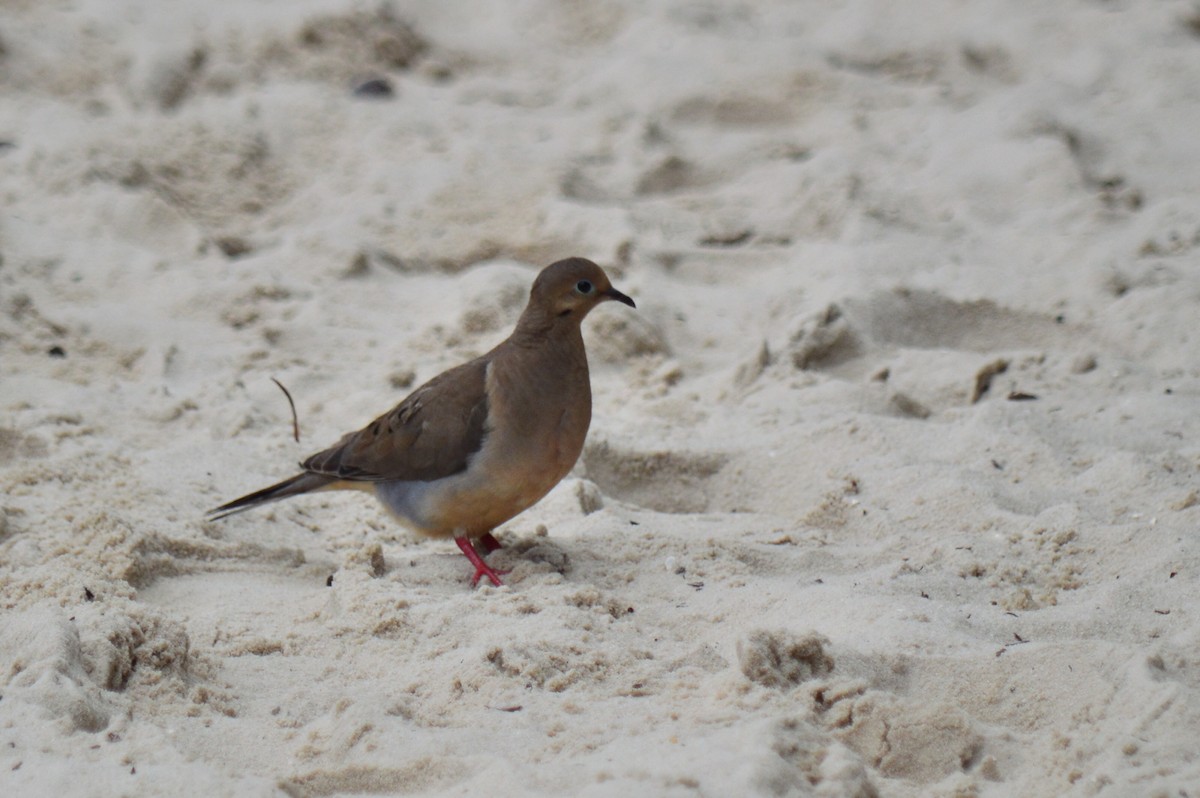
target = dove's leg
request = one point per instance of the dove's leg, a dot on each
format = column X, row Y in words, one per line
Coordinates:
column 490, row 544
column 481, row 568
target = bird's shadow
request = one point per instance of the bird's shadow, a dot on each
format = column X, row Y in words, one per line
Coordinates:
column 535, row 554
column 526, row 559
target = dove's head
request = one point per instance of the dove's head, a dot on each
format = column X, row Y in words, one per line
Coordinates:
column 568, row 289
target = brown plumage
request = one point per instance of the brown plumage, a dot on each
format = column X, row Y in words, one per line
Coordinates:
column 479, row 443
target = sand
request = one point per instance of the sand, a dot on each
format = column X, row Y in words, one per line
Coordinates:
column 893, row 482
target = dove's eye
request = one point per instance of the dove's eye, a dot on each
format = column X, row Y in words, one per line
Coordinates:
column 584, row 287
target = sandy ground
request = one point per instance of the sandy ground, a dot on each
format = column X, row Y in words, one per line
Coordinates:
column 893, row 483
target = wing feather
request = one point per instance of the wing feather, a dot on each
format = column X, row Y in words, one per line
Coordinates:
column 430, row 435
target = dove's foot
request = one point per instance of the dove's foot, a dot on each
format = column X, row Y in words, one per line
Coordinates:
column 481, row 568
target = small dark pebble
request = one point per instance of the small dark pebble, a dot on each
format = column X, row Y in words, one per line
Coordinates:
column 1021, row 396
column 88, row 594
column 232, row 246
column 56, row 351
column 1192, row 23
column 376, row 88
column 329, row 581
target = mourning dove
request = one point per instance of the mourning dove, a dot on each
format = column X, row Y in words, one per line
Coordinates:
column 479, row 443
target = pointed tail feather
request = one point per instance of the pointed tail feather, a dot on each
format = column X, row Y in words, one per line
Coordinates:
column 293, row 486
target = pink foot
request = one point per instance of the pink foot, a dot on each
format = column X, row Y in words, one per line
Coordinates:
column 490, row 544
column 481, row 568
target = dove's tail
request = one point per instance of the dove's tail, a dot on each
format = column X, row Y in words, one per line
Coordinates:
column 293, row 486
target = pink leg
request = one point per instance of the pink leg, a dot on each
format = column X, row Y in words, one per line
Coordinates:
column 481, row 568
column 490, row 544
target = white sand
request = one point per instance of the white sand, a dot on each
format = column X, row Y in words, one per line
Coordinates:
column 796, row 558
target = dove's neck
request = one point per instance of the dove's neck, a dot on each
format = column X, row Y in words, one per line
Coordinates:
column 537, row 329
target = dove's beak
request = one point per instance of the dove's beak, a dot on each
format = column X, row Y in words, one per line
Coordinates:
column 613, row 293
